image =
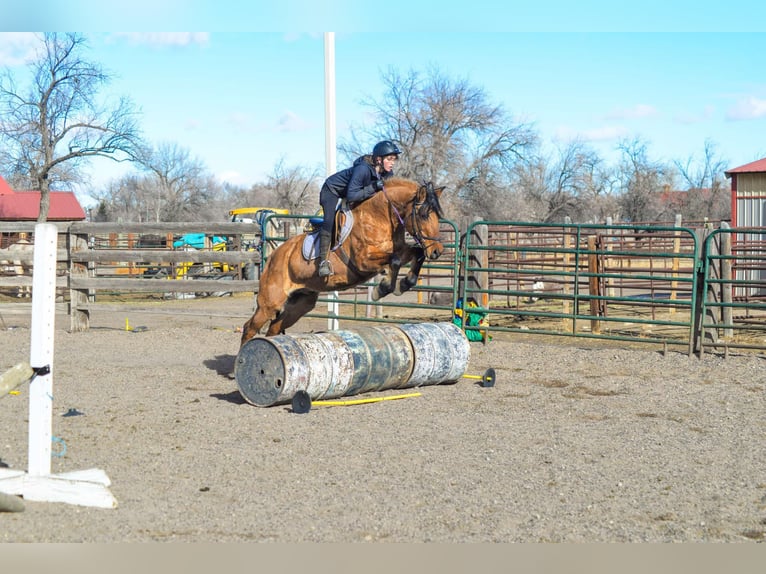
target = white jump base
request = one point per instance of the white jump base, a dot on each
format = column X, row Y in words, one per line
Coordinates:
column 85, row 487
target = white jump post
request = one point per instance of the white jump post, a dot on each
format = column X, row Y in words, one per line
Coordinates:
column 84, row 488
column 333, row 308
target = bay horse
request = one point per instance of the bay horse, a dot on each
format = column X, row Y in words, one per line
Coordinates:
column 290, row 285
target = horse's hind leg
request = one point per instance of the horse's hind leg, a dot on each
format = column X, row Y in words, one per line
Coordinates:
column 254, row 324
column 297, row 305
column 269, row 304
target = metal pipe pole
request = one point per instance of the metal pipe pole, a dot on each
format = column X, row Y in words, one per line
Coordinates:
column 330, row 145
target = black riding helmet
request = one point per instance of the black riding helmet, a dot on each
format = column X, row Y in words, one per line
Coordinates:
column 384, row 148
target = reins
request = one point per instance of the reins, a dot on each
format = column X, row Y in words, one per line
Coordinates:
column 417, row 234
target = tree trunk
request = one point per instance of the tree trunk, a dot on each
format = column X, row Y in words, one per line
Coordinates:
column 45, row 200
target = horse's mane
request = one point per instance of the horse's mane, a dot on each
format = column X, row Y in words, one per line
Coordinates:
column 431, row 203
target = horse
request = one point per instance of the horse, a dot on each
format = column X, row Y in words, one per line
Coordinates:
column 290, row 284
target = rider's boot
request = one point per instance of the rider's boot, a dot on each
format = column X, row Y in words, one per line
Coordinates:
column 325, row 269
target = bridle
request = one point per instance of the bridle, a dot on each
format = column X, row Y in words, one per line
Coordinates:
column 416, row 230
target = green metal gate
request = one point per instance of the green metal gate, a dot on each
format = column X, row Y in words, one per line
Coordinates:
column 733, row 310
column 626, row 283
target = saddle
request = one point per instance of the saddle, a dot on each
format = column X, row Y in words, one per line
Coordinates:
column 344, row 221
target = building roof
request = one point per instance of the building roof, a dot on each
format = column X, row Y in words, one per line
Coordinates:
column 5, row 189
column 752, row 167
column 25, row 205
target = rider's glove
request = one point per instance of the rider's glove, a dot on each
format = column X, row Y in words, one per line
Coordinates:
column 377, row 185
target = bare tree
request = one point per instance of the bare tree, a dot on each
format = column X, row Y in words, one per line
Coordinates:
column 295, row 188
column 59, row 121
column 571, row 183
column 450, row 134
column 174, row 187
column 641, row 182
column 257, row 195
column 179, row 187
column 123, row 201
column 707, row 194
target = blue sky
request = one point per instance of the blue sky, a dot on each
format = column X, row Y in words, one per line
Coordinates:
column 241, row 101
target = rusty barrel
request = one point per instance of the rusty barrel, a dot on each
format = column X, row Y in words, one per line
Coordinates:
column 441, row 352
column 270, row 370
column 383, row 358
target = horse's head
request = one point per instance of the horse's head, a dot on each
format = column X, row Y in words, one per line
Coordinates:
column 426, row 211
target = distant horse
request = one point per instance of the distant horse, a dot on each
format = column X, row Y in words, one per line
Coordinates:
column 290, row 284
column 19, row 266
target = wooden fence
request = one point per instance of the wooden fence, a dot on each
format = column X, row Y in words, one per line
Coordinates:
column 136, row 257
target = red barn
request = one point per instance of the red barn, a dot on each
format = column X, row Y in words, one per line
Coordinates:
column 25, row 205
column 748, row 194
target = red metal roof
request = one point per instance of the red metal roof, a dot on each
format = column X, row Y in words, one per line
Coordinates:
column 752, row 167
column 25, row 205
column 5, row 189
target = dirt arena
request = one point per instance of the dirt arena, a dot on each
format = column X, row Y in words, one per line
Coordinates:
column 578, row 441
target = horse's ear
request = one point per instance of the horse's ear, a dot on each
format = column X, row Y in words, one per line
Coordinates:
column 438, row 190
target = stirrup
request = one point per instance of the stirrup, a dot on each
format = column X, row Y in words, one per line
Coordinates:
column 325, row 269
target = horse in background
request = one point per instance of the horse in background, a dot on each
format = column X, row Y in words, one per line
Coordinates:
column 377, row 243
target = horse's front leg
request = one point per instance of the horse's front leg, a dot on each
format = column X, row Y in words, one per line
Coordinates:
column 411, row 279
column 386, row 284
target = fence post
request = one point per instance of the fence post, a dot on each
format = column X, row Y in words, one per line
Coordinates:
column 593, row 285
column 79, row 315
column 479, row 280
column 699, row 333
column 726, row 280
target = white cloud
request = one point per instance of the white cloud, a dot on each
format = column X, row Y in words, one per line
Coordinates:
column 636, row 112
column 239, row 121
column 17, row 48
column 747, row 109
column 689, row 118
column 292, row 122
column 165, row 38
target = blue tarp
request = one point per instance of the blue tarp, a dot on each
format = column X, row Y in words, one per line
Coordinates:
column 196, row 240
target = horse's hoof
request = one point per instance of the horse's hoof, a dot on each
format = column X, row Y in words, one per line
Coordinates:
column 403, row 286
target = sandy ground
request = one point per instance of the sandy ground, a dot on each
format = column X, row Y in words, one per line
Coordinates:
column 577, row 442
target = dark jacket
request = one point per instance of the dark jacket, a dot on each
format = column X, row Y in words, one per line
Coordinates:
column 355, row 183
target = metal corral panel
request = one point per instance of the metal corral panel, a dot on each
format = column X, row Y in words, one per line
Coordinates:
column 750, row 212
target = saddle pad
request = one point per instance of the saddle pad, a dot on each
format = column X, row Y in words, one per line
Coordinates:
column 310, row 249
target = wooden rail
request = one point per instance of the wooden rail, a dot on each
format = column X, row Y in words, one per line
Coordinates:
column 84, row 268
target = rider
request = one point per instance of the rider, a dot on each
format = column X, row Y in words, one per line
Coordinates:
column 356, row 183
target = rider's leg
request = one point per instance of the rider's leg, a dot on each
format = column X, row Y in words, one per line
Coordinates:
column 325, row 268
column 329, row 201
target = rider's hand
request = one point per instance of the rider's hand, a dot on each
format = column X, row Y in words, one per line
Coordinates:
column 377, row 185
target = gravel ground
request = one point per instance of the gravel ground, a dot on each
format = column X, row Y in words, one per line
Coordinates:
column 576, row 442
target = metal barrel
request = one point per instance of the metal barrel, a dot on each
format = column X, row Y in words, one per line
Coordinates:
column 383, row 358
column 270, row 370
column 441, row 352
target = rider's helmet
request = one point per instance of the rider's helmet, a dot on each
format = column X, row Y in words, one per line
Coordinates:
column 384, row 148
